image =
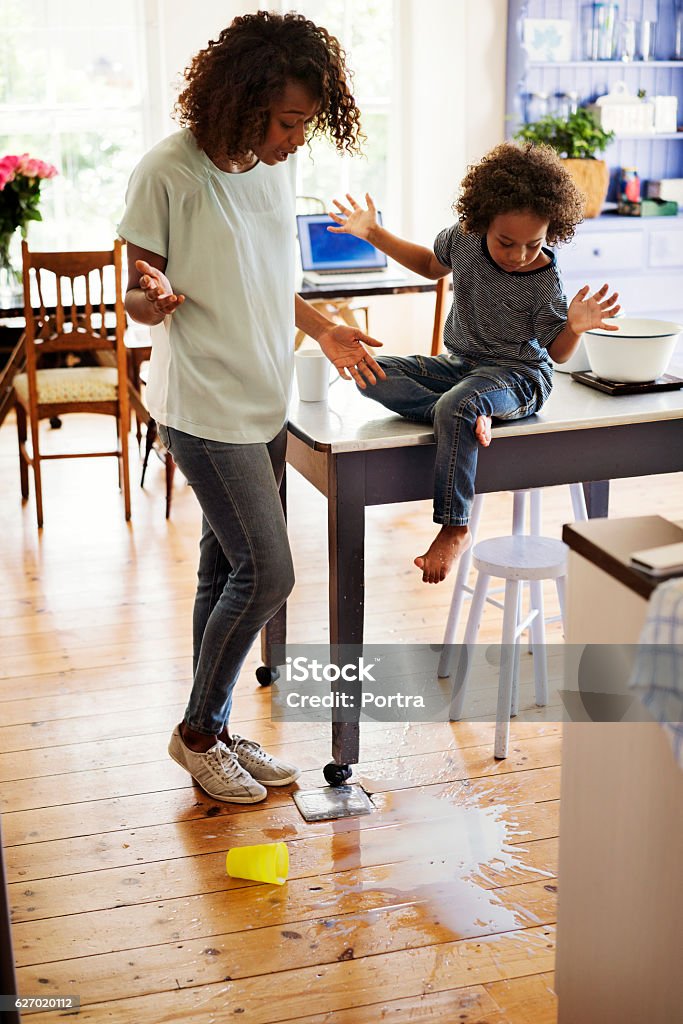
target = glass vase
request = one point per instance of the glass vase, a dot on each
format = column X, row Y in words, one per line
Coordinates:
column 11, row 284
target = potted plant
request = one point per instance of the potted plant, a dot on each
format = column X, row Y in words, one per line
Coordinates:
column 577, row 139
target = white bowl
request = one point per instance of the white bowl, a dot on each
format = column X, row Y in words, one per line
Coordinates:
column 640, row 350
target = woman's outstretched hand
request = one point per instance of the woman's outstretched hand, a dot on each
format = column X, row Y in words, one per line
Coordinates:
column 345, row 348
column 157, row 289
column 587, row 312
column 353, row 219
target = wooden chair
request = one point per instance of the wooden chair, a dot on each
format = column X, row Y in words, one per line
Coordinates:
column 78, row 325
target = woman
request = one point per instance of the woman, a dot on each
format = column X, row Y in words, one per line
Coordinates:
column 209, row 225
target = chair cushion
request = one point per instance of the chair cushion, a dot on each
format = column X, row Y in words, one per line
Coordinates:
column 78, row 384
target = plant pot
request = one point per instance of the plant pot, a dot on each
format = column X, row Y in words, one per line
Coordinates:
column 592, row 178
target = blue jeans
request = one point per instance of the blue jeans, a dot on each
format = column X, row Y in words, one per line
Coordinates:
column 245, row 569
column 451, row 392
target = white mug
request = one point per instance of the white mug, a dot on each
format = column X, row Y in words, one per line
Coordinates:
column 312, row 374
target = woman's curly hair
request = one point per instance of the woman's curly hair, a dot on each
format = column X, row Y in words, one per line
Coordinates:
column 520, row 177
column 233, row 81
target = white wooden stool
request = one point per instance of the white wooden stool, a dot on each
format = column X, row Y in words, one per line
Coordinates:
column 461, row 589
column 516, row 559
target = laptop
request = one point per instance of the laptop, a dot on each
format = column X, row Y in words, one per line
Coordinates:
column 329, row 258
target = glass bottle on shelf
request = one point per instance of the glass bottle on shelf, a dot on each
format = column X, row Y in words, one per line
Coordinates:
column 566, row 104
column 536, row 106
column 646, row 48
column 600, row 22
column 678, row 40
column 627, row 39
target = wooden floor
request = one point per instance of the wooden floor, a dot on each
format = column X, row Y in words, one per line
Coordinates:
column 439, row 906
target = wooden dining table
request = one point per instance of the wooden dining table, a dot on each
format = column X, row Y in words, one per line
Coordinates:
column 357, row 455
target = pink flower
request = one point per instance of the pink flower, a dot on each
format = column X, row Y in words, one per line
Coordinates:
column 10, row 162
column 47, row 170
column 28, row 166
column 34, row 168
column 8, row 166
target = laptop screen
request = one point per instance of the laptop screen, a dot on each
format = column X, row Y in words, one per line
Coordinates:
column 323, row 250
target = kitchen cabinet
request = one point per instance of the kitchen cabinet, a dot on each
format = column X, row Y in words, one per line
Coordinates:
column 620, row 917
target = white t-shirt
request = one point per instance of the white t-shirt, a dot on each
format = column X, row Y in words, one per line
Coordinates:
column 221, row 365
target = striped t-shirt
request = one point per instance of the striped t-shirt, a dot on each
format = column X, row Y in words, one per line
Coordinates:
column 500, row 317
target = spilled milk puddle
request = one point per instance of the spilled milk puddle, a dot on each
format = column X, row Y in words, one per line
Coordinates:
column 437, row 852
column 420, row 867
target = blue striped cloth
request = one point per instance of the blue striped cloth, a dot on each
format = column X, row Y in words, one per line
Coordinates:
column 658, row 670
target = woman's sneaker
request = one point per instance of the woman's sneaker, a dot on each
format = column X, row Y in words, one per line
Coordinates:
column 218, row 772
column 262, row 766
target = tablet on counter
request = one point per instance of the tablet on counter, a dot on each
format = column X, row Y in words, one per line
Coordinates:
column 666, row 560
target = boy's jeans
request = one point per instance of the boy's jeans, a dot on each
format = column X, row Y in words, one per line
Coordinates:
column 450, row 392
column 245, row 569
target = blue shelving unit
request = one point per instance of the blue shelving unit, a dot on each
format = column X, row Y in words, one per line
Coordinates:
column 642, row 257
column 655, row 155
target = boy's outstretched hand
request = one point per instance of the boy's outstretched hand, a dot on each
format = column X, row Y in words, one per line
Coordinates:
column 355, row 221
column 585, row 313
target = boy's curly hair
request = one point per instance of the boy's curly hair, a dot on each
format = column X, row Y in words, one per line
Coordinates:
column 520, row 177
column 233, row 81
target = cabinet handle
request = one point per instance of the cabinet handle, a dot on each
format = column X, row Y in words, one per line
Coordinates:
column 597, row 252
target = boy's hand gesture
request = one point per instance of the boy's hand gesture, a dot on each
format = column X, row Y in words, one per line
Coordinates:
column 586, row 313
column 355, row 221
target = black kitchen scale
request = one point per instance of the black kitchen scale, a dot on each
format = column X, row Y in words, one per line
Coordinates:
column 612, row 387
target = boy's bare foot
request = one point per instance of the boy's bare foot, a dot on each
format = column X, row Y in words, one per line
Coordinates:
column 449, row 543
column 483, row 430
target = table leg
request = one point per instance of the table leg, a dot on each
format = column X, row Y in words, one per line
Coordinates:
column 597, row 498
column 275, row 631
column 346, row 546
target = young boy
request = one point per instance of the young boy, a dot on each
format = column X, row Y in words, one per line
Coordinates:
column 509, row 319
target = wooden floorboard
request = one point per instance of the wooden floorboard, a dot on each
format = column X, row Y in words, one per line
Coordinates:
column 440, row 906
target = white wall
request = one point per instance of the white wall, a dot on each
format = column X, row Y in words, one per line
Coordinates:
column 452, row 101
column 432, row 77
column 485, row 51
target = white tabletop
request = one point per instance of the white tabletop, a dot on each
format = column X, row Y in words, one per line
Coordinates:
column 349, row 421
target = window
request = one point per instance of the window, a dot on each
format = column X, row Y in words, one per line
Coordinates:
column 73, row 92
column 367, row 30
column 71, row 89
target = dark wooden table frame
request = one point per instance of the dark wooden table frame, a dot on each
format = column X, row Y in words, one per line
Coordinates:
column 352, row 481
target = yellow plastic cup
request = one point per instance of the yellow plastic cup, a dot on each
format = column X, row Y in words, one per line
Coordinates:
column 268, row 862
